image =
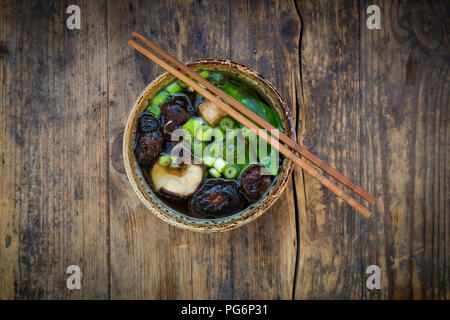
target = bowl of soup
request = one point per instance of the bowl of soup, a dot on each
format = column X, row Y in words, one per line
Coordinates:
column 194, row 166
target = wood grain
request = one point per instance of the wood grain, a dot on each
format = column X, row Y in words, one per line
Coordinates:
column 257, row 260
column 384, row 95
column 53, row 194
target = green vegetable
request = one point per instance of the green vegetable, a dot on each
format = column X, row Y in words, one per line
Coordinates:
column 263, row 110
column 271, row 162
column 248, row 133
column 218, row 79
column 165, row 160
column 250, row 99
column 192, row 125
column 214, row 149
column 226, row 123
column 174, row 87
column 229, row 152
column 160, row 97
column 208, row 161
column 230, row 172
column 234, row 91
column 182, row 84
column 205, row 133
column 155, row 110
column 220, row 164
column 214, row 172
column 175, row 162
column 231, row 134
column 218, row 135
column 204, row 74
column 197, row 148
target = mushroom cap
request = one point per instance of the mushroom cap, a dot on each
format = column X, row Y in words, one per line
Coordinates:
column 177, row 183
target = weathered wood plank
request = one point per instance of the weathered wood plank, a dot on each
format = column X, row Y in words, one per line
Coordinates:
column 264, row 36
column 387, row 132
column 329, row 262
column 53, row 168
column 372, row 102
column 9, row 233
column 150, row 259
column 405, row 93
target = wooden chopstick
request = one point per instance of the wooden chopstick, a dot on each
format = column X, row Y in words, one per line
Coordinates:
column 249, row 124
column 260, row 121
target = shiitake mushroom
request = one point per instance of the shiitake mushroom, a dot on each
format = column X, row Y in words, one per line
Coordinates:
column 150, row 140
column 176, row 112
column 149, row 147
column 254, row 182
column 177, row 183
column 148, row 123
column 217, row 198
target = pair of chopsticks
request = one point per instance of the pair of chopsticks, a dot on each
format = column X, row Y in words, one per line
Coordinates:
column 242, row 114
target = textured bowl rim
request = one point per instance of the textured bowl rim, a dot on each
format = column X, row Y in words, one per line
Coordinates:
column 208, row 225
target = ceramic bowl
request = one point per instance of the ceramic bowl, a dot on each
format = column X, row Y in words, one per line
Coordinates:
column 158, row 207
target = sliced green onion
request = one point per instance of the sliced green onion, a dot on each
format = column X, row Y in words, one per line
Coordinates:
column 174, row 87
column 204, row 74
column 165, row 160
column 218, row 135
column 214, row 149
column 205, row 133
column 192, row 125
column 174, row 161
column 208, row 161
column 226, row 123
column 182, row 84
column 231, row 134
column 214, row 172
column 160, row 97
column 220, row 164
column 198, row 147
column 230, row 172
column 155, row 110
column 229, row 152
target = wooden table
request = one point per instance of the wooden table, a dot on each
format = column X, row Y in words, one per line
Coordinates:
column 374, row 103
